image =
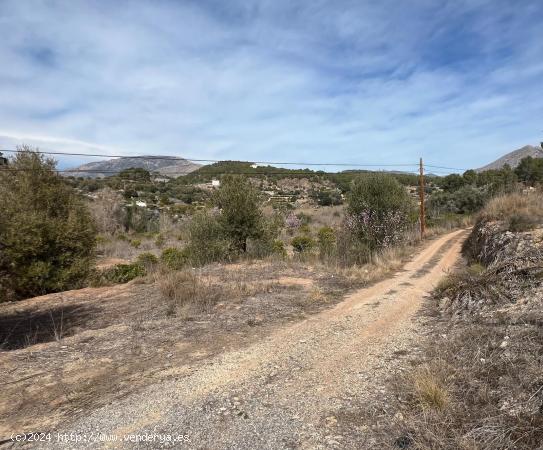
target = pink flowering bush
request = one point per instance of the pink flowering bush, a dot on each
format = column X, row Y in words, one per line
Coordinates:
column 379, row 211
column 292, row 221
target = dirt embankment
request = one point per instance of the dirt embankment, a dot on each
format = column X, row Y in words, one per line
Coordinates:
column 478, row 382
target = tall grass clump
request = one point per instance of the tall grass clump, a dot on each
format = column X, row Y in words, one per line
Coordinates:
column 520, row 212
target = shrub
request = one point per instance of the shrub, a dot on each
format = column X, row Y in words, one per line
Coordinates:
column 522, row 222
column 47, row 235
column 327, row 197
column 379, row 210
column 173, row 258
column 140, row 219
column 466, row 200
column 136, row 243
column 292, row 221
column 121, row 273
column 240, row 216
column 147, row 260
column 350, row 249
column 305, row 229
column 207, row 242
column 327, row 242
column 184, row 289
column 278, row 249
column 302, row 244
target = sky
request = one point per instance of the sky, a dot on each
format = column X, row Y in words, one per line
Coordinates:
column 457, row 82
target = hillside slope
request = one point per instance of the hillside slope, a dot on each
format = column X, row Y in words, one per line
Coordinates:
column 170, row 166
column 513, row 158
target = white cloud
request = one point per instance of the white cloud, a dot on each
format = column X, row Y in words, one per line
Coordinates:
column 373, row 82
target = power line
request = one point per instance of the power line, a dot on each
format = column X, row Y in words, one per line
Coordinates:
column 447, row 168
column 176, row 158
column 307, row 172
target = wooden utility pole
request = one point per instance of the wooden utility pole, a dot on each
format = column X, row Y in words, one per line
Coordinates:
column 421, row 194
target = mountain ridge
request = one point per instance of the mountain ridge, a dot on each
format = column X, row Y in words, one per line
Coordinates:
column 172, row 166
column 513, row 158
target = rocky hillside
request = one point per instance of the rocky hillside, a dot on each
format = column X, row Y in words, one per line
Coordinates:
column 478, row 383
column 170, row 166
column 513, row 158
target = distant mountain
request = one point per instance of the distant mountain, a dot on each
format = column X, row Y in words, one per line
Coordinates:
column 170, row 166
column 513, row 158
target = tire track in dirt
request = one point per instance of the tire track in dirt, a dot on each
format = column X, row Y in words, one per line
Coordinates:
column 283, row 391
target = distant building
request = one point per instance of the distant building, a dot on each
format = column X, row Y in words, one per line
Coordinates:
column 141, row 204
column 215, row 183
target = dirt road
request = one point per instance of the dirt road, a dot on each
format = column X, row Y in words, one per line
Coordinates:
column 301, row 387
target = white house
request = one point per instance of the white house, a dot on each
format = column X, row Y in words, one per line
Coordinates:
column 215, row 183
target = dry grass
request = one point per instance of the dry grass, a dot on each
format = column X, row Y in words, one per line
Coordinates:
column 429, row 387
column 487, row 395
column 186, row 291
column 382, row 264
column 478, row 382
column 515, row 209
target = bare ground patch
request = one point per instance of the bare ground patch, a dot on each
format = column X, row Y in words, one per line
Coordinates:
column 75, row 351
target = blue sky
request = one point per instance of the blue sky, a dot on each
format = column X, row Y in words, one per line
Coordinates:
column 379, row 82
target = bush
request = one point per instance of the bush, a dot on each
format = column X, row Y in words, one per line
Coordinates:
column 278, row 249
column 173, row 258
column 302, row 244
column 327, row 197
column 379, row 210
column 465, row 200
column 140, row 219
column 183, row 289
column 305, row 229
column 136, row 243
column 147, row 260
column 327, row 242
column 240, row 216
column 207, row 242
column 522, row 222
column 351, row 250
column 47, row 236
column 121, row 273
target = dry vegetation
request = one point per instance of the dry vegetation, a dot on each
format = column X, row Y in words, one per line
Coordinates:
column 77, row 350
column 478, row 381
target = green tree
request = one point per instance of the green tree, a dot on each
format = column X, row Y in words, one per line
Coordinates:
column 530, row 170
column 470, row 176
column 46, row 232
column 240, row 215
column 452, row 182
column 379, row 210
